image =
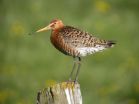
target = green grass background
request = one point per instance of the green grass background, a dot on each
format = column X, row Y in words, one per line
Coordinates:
column 30, row 63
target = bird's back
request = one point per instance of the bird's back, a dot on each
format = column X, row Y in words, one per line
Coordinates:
column 75, row 42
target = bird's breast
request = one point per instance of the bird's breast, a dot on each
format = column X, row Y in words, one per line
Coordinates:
column 58, row 42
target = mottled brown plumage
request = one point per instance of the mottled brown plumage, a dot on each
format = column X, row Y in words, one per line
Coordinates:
column 68, row 39
column 75, row 42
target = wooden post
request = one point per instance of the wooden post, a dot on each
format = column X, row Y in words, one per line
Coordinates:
column 60, row 93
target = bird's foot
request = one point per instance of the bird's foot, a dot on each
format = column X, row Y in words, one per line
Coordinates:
column 75, row 81
column 71, row 81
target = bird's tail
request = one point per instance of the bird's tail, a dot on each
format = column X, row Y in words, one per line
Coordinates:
column 111, row 43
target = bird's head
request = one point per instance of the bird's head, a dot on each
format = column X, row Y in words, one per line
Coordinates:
column 54, row 25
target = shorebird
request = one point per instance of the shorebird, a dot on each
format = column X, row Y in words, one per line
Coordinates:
column 74, row 42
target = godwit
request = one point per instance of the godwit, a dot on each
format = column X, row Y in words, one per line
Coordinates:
column 74, row 42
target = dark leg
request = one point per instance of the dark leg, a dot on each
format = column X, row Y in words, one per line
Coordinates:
column 74, row 65
column 78, row 70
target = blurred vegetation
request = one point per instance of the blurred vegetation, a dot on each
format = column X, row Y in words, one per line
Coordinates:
column 30, row 63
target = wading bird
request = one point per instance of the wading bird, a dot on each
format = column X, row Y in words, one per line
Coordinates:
column 74, row 42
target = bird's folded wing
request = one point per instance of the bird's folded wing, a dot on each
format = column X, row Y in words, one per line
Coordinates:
column 79, row 39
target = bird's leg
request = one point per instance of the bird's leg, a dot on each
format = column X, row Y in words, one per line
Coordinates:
column 78, row 70
column 73, row 68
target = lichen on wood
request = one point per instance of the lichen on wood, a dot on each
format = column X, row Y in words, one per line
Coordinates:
column 60, row 93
